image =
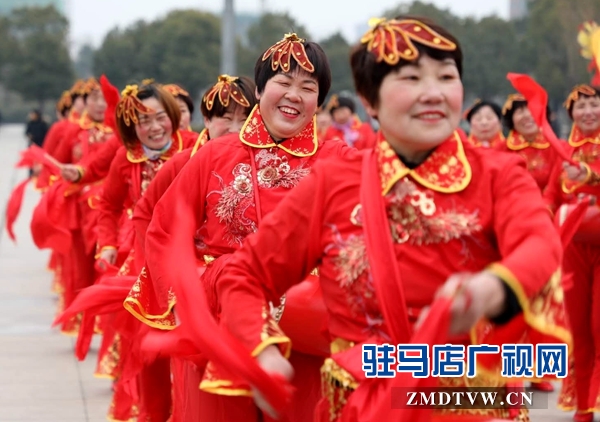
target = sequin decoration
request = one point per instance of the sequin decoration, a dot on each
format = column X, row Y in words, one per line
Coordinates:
column 415, row 218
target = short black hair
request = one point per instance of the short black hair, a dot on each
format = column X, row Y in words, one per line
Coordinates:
column 507, row 117
column 484, row 103
column 581, row 94
column 263, row 70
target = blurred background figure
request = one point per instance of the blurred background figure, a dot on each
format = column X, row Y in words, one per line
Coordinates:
column 36, row 128
column 323, row 122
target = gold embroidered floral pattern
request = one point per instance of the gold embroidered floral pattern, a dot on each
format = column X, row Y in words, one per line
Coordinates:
column 273, row 171
column 415, row 218
column 234, row 200
column 352, row 266
column 149, row 170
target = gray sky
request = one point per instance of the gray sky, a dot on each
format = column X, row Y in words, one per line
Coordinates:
column 91, row 19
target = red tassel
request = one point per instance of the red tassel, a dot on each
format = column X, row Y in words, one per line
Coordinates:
column 537, row 102
column 14, row 207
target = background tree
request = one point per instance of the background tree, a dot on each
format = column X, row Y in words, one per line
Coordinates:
column 40, row 68
column 338, row 51
column 270, row 28
column 84, row 63
column 182, row 48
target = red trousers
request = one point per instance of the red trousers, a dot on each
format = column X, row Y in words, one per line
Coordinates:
column 582, row 262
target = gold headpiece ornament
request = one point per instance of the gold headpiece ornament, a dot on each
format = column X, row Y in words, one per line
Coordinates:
column 129, row 105
column 589, row 41
column 576, row 92
column 508, row 105
column 176, row 90
column 282, row 52
column 78, row 87
column 147, row 81
column 333, row 102
column 225, row 88
column 91, row 85
column 392, row 40
column 65, row 101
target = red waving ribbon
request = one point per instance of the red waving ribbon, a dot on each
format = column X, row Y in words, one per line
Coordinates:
column 14, row 207
column 537, row 102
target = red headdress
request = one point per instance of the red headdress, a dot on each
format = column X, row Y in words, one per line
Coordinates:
column 176, row 90
column 78, row 87
column 392, row 40
column 582, row 89
column 65, row 101
column 589, row 40
column 510, row 100
column 225, row 88
column 90, row 85
column 282, row 52
column 130, row 105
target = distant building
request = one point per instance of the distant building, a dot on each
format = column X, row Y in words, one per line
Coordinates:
column 6, row 6
column 518, row 9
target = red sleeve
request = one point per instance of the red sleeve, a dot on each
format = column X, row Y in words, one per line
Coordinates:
column 54, row 136
column 524, row 232
column 145, row 206
column 96, row 166
column 112, row 201
column 281, row 254
column 64, row 150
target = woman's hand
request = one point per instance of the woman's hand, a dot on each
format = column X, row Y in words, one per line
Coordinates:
column 109, row 255
column 575, row 173
column 475, row 296
column 70, row 173
column 272, row 362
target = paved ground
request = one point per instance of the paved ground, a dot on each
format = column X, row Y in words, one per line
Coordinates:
column 40, row 379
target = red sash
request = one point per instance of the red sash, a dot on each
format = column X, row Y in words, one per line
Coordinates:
column 371, row 400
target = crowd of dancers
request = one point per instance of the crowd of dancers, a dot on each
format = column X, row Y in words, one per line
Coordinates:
column 234, row 274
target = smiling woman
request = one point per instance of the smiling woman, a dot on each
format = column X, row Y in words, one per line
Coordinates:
column 526, row 139
column 221, row 196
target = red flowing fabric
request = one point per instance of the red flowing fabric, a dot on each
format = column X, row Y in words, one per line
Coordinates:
column 29, row 157
column 371, row 400
column 111, row 95
column 537, row 102
column 35, row 154
column 14, row 207
column 50, row 222
column 200, row 329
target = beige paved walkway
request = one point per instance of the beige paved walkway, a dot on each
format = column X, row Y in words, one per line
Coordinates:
column 40, row 380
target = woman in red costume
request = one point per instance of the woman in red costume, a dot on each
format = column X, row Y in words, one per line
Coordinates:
column 568, row 185
column 484, row 117
column 73, row 106
column 219, row 120
column 526, row 139
column 96, row 168
column 239, row 179
column 419, row 217
column 346, row 125
column 77, row 218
